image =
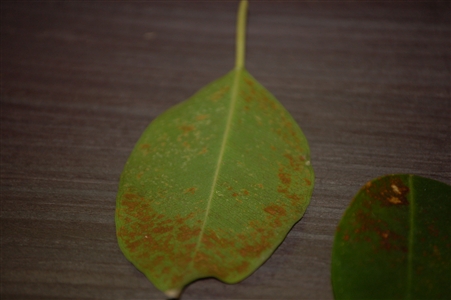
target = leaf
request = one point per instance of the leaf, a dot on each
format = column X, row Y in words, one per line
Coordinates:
column 214, row 184
column 394, row 241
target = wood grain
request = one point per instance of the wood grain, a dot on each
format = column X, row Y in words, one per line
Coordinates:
column 368, row 82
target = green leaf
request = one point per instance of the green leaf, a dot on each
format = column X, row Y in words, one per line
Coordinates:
column 394, row 241
column 214, row 184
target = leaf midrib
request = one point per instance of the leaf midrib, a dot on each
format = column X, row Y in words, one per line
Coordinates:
column 233, row 100
column 238, row 70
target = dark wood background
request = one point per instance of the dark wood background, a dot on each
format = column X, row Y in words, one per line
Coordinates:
column 368, row 83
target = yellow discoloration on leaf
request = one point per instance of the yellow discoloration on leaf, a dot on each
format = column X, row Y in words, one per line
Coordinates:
column 394, row 200
column 395, row 189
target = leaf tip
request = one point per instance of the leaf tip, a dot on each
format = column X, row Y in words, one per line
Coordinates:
column 173, row 293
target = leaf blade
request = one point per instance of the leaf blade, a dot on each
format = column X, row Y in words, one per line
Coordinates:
column 259, row 129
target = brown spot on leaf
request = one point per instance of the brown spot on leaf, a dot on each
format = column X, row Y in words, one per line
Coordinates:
column 186, row 233
column 187, row 128
column 219, row 94
column 285, row 178
column 254, row 250
column 191, row 190
column 151, row 232
column 145, row 149
column 242, row 267
column 276, row 210
column 276, row 223
column 368, row 225
column 388, row 193
column 201, row 117
column 162, row 229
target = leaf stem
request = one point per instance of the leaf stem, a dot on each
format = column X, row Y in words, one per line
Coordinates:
column 241, row 35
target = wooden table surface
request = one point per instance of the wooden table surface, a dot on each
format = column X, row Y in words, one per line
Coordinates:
column 368, row 83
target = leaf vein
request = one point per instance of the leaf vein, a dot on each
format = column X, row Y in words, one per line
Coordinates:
column 233, row 100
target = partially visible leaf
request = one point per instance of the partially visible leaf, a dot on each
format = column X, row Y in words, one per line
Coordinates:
column 214, row 184
column 394, row 241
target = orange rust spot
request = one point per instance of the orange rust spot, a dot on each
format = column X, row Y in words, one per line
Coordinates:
column 273, row 148
column 308, row 182
column 245, row 192
column 133, row 245
column 190, row 247
column 180, row 220
column 285, row 178
column 190, row 190
column 187, row 128
column 276, row 223
column 162, row 229
column 235, row 194
column 176, row 279
column 219, row 94
column 276, row 210
column 212, row 240
column 186, row 233
column 201, row 257
column 201, row 117
column 254, row 250
column 282, row 190
column 157, row 260
column 346, row 237
column 260, row 185
column 242, row 267
column 203, row 151
column 389, row 240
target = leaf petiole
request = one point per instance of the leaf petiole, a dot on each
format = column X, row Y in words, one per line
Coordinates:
column 241, row 35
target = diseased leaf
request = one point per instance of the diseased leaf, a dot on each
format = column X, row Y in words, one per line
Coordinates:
column 394, row 241
column 214, row 184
